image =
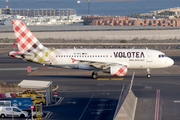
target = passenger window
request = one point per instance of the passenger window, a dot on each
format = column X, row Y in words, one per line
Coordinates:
column 66, row 55
column 1, row 103
column 61, row 55
column 74, row 56
column 7, row 104
column 69, row 56
column 37, row 96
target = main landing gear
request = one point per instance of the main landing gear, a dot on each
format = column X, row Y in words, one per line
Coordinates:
column 148, row 73
column 94, row 75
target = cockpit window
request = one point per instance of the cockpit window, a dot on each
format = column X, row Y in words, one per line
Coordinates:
column 161, row 56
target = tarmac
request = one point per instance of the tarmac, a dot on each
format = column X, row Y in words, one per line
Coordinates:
column 96, row 99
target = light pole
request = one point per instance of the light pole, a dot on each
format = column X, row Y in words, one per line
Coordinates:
column 88, row 5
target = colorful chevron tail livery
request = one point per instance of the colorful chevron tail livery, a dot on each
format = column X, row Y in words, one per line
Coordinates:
column 25, row 39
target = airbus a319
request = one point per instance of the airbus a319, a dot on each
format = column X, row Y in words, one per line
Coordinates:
column 113, row 61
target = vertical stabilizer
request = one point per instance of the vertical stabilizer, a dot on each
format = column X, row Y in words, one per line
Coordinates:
column 25, row 39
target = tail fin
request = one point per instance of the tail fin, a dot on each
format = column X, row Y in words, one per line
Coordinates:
column 25, row 39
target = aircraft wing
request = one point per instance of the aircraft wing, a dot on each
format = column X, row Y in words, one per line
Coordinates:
column 98, row 64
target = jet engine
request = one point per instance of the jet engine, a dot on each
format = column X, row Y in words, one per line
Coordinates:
column 120, row 70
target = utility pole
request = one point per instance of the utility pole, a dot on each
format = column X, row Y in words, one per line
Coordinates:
column 88, row 7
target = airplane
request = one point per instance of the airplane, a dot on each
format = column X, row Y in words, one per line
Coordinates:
column 113, row 61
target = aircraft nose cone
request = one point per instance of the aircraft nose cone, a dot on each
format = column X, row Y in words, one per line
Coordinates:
column 170, row 62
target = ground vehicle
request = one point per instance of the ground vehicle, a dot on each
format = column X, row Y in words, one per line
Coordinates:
column 9, row 111
column 36, row 98
column 32, row 92
column 5, row 103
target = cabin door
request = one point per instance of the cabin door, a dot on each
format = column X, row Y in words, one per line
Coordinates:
column 149, row 56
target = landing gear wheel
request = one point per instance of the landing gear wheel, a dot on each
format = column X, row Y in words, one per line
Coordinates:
column 94, row 75
column 148, row 72
column 148, row 75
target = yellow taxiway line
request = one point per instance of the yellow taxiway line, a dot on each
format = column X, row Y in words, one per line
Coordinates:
column 103, row 79
column 117, row 78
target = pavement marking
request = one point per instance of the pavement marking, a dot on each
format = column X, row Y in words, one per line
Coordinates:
column 86, row 106
column 28, row 116
column 106, row 93
column 6, row 69
column 117, row 78
column 59, row 101
column 50, row 115
column 71, row 102
column 103, row 79
column 177, row 101
column 47, row 114
column 99, row 109
column 157, row 105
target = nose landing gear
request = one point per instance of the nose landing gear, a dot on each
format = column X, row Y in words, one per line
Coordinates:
column 148, row 73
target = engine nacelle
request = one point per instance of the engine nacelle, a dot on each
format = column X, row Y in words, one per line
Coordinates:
column 120, row 70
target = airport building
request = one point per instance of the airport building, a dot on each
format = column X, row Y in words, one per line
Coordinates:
column 38, row 12
column 126, row 21
column 33, row 17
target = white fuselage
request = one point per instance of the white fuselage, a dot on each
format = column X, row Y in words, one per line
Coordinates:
column 133, row 58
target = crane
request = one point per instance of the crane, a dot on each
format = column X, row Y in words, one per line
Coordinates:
column 100, row 1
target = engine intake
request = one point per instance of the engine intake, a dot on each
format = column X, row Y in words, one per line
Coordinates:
column 120, row 70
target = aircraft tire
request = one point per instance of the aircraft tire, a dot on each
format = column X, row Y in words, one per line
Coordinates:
column 94, row 75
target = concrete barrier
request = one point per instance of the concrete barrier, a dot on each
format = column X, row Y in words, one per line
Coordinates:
column 127, row 111
column 104, row 35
